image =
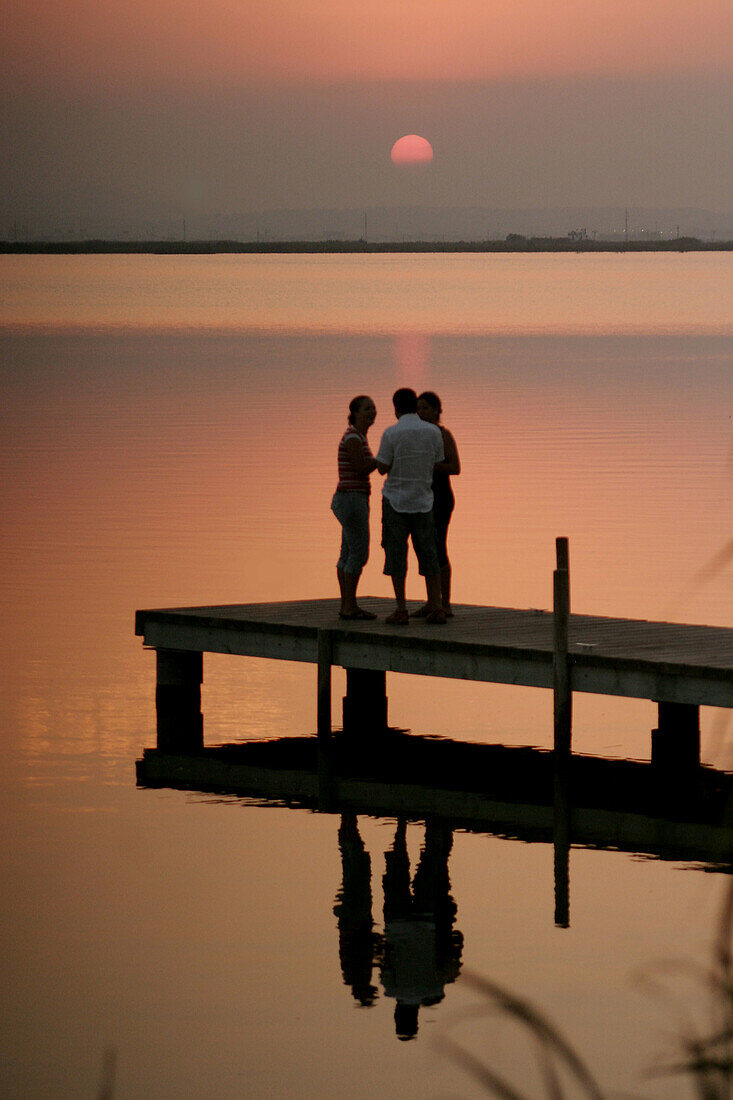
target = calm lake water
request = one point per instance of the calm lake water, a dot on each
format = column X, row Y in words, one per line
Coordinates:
column 169, row 430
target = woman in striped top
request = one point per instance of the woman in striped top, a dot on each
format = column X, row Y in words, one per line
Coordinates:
column 350, row 503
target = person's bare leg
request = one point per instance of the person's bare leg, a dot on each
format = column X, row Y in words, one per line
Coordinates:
column 348, row 594
column 340, row 575
column 432, row 585
column 398, row 583
column 445, row 579
column 349, row 607
column 444, row 601
column 399, row 615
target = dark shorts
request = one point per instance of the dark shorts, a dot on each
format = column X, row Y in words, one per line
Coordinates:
column 397, row 527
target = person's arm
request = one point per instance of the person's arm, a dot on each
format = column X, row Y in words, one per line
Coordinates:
column 384, row 456
column 451, row 463
column 362, row 463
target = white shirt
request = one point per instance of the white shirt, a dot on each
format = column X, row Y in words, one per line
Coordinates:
column 411, row 447
column 410, row 972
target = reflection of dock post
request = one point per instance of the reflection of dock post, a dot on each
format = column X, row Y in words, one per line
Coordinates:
column 562, row 869
column 365, row 702
column 180, row 723
column 676, row 741
column 562, row 740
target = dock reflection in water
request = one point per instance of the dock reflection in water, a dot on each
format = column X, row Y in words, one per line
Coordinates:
column 508, row 792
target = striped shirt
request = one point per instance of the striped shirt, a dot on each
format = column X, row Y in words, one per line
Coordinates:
column 350, row 479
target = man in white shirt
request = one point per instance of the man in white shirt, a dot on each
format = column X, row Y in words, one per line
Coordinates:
column 407, row 454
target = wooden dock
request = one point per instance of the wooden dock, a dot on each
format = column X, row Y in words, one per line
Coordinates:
column 680, row 667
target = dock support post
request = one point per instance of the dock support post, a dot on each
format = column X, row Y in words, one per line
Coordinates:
column 676, row 741
column 560, row 663
column 365, row 702
column 562, row 740
column 180, row 724
column 326, row 782
column 325, row 659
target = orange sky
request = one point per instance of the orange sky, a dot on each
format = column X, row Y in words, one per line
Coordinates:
column 142, row 116
column 182, row 41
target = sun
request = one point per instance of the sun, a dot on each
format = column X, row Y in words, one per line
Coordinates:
column 412, row 149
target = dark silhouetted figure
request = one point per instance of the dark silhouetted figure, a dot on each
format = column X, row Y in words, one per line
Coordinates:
column 422, row 951
column 350, row 503
column 407, row 454
column 429, row 409
column 353, row 909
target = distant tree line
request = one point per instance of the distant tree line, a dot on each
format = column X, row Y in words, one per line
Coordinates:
column 513, row 242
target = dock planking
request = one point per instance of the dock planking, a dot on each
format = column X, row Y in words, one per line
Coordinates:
column 665, row 662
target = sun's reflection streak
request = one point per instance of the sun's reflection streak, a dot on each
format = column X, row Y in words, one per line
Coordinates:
column 412, row 354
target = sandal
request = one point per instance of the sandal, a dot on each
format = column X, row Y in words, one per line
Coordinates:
column 360, row 613
column 398, row 618
column 437, row 618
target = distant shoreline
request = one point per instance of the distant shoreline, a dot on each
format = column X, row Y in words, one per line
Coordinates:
column 515, row 243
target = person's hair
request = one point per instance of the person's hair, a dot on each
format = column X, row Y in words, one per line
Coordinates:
column 432, row 400
column 355, row 405
column 404, row 401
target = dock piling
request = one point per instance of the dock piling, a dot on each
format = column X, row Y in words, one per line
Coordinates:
column 562, row 732
column 325, row 660
column 676, row 740
column 365, row 702
column 560, row 662
column 180, row 724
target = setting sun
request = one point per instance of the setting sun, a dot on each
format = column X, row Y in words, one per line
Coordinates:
column 412, row 149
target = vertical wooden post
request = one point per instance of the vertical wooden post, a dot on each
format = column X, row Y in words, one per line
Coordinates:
column 561, row 848
column 326, row 775
column 326, row 780
column 676, row 741
column 179, row 674
column 561, row 665
column 562, row 551
column 325, row 658
column 562, row 733
column 365, row 702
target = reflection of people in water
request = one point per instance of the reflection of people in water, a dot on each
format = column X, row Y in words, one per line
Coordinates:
column 422, row 952
column 353, row 909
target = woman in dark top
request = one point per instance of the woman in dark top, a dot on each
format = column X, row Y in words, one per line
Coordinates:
column 429, row 408
column 350, row 503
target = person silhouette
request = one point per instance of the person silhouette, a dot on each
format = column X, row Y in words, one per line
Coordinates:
column 429, row 409
column 422, row 950
column 350, row 503
column 407, row 455
column 353, row 910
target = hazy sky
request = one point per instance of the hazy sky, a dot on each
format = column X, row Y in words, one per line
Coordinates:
column 148, row 111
